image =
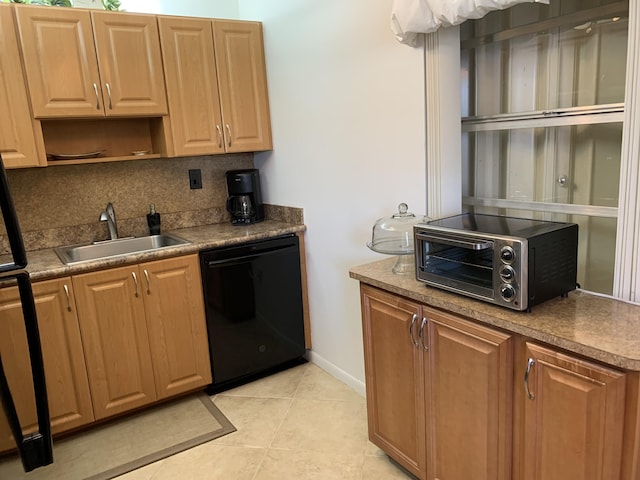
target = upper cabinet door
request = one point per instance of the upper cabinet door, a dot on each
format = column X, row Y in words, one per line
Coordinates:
column 242, row 81
column 60, row 61
column 192, row 85
column 18, row 138
column 128, row 49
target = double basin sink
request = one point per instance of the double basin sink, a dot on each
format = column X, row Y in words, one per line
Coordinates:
column 72, row 254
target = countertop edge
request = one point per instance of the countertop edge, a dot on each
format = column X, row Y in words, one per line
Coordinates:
column 44, row 264
column 575, row 323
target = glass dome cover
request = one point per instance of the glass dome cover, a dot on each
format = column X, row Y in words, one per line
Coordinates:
column 394, row 235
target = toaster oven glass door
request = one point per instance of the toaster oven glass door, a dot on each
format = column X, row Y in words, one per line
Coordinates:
column 463, row 264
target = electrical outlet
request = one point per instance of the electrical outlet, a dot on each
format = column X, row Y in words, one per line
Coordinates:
column 195, row 179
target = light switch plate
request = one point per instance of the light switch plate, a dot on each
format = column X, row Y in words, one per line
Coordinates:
column 195, row 179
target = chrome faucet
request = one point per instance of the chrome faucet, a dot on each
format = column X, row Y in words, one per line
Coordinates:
column 109, row 216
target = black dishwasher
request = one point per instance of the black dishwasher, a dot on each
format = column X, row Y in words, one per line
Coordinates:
column 253, row 304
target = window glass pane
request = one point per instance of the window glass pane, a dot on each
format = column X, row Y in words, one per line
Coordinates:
column 577, row 164
column 577, row 61
column 596, row 245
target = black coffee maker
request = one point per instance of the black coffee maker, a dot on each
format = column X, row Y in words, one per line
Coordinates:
column 244, row 201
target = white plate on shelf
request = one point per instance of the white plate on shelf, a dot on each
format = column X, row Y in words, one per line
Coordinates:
column 74, row 156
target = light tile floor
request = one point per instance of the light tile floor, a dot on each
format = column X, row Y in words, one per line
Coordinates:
column 300, row 424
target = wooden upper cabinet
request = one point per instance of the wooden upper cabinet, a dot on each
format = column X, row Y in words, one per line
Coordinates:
column 216, row 85
column 64, row 75
column 63, row 357
column 242, row 80
column 573, row 419
column 60, row 61
column 192, row 85
column 21, row 144
column 128, row 49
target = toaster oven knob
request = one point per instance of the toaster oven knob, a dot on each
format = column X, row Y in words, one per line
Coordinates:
column 507, row 255
column 507, row 273
column 507, row 292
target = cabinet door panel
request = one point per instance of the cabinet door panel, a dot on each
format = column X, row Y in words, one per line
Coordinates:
column 176, row 324
column 394, row 379
column 17, row 134
column 192, row 85
column 62, row 352
column 128, row 49
column 60, row 61
column 114, row 334
column 470, row 390
column 574, row 423
column 243, row 85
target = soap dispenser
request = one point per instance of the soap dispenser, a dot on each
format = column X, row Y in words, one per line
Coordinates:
column 153, row 220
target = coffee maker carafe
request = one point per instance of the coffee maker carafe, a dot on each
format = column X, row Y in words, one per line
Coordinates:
column 244, row 201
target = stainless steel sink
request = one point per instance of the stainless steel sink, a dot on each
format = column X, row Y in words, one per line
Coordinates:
column 113, row 248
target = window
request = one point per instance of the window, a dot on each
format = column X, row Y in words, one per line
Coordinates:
column 542, row 100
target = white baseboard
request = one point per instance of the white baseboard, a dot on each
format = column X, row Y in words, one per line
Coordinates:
column 336, row 372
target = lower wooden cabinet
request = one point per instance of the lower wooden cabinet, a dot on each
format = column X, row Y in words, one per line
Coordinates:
column 62, row 351
column 438, row 390
column 395, row 377
column 571, row 419
column 469, row 392
column 115, row 337
column 450, row 399
column 138, row 335
column 176, row 324
column 144, row 331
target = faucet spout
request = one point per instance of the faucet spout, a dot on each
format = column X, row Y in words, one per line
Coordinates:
column 109, row 216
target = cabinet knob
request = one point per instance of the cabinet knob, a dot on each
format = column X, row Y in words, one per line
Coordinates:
column 109, row 95
column 530, row 364
column 95, row 89
column 135, row 282
column 411, row 337
column 219, row 136
column 66, row 292
column 228, row 127
column 422, row 336
column 146, row 276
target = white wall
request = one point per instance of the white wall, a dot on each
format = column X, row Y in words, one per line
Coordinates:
column 195, row 8
column 347, row 112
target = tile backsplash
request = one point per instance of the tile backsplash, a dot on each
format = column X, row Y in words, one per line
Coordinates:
column 61, row 205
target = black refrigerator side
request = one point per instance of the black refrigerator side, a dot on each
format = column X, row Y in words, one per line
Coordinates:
column 35, row 449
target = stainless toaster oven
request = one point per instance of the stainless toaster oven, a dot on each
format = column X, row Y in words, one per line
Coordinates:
column 512, row 262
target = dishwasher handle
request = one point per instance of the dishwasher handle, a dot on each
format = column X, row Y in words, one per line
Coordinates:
column 256, row 252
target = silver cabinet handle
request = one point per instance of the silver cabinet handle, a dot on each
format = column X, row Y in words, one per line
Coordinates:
column 411, row 337
column 95, row 89
column 219, row 136
column 66, row 292
column 109, row 95
column 422, row 336
column 530, row 364
column 228, row 127
column 135, row 281
column 146, row 276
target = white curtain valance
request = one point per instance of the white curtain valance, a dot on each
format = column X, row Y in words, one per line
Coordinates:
column 411, row 17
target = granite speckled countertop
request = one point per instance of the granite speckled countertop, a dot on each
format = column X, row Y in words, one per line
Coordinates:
column 44, row 264
column 597, row 327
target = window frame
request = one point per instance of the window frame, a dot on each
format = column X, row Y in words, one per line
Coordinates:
column 444, row 133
